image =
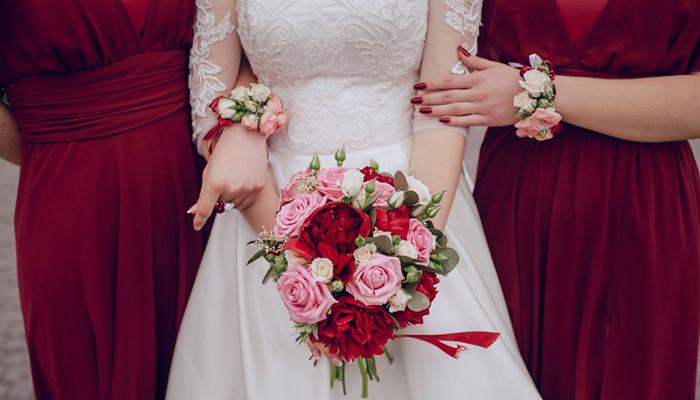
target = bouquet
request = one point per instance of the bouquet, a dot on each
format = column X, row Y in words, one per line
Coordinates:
column 356, row 259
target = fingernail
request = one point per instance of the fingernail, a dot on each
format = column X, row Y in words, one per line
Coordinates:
column 464, row 51
column 197, row 227
column 425, row 110
column 417, row 100
column 444, row 120
column 191, row 210
column 420, row 86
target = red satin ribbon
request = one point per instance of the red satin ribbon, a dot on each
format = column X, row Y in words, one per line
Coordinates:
column 481, row 339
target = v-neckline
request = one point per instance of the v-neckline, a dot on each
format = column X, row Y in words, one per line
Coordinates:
column 577, row 53
column 138, row 36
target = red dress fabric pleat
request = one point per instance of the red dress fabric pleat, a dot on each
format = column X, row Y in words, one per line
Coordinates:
column 579, row 17
column 106, row 254
column 597, row 240
column 137, row 10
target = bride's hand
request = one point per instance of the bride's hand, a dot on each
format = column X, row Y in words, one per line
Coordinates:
column 236, row 172
column 483, row 97
column 317, row 349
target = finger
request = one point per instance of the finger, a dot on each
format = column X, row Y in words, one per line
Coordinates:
column 205, row 204
column 465, row 120
column 246, row 202
column 450, row 109
column 449, row 81
column 444, row 97
column 473, row 62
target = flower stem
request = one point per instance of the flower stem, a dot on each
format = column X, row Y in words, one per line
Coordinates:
column 342, row 378
column 362, row 364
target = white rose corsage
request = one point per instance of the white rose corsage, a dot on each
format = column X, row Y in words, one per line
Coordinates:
column 537, row 117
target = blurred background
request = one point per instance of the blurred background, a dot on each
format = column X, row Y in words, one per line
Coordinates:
column 15, row 383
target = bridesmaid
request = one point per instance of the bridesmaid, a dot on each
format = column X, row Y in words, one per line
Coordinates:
column 106, row 254
column 595, row 233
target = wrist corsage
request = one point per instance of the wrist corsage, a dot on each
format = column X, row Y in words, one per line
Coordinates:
column 254, row 106
column 537, row 117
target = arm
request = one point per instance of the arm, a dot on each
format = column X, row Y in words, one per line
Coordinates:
column 10, row 140
column 438, row 149
column 237, row 168
column 646, row 110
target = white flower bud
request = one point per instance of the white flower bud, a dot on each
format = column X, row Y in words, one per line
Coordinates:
column 421, row 190
column 322, row 269
column 259, row 93
column 226, row 108
column 239, row 94
column 363, row 253
column 352, row 182
column 398, row 301
column 534, row 82
column 407, row 249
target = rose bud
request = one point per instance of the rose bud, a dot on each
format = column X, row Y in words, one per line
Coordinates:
column 412, row 274
column 340, row 156
column 370, row 187
column 437, row 198
column 337, row 286
column 374, row 164
column 396, row 199
column 315, row 163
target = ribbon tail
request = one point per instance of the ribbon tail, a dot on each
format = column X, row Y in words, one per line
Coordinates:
column 481, row 339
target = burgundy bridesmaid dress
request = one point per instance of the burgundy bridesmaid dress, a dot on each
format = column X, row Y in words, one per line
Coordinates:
column 106, row 254
column 597, row 240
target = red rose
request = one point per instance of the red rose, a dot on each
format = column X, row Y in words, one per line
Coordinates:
column 354, row 330
column 370, row 174
column 427, row 286
column 395, row 221
column 330, row 232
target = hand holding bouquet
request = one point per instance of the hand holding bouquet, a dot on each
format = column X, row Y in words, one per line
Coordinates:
column 356, row 259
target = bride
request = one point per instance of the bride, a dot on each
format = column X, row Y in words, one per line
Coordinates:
column 344, row 70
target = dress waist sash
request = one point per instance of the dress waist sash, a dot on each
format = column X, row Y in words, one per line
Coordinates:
column 104, row 101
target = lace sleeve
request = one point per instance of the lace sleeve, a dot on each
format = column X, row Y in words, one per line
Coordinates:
column 214, row 60
column 450, row 23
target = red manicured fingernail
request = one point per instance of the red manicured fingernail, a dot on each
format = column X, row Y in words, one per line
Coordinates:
column 425, row 110
column 420, row 86
column 417, row 100
column 444, row 120
column 464, row 51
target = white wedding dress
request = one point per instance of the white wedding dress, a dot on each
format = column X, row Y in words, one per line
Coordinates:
column 344, row 70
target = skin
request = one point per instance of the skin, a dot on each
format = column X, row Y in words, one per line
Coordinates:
column 10, row 139
column 655, row 109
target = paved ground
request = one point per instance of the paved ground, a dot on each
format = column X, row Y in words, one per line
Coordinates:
column 14, row 367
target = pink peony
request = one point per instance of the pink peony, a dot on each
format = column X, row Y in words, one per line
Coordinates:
column 330, row 181
column 306, row 300
column 293, row 214
column 376, row 280
column 422, row 239
column 539, row 125
column 290, row 191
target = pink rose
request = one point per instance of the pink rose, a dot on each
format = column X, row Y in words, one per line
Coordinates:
column 250, row 122
column 376, row 280
column 307, row 300
column 274, row 117
column 329, row 182
column 422, row 239
column 290, row 191
column 387, row 190
column 293, row 214
column 539, row 125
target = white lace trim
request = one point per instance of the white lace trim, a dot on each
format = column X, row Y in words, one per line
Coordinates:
column 203, row 82
column 465, row 20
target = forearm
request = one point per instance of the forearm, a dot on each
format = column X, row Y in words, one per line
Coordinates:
column 645, row 110
column 436, row 160
column 10, row 139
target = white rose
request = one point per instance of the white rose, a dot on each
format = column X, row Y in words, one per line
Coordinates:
column 322, row 270
column 293, row 258
column 523, row 101
column 398, row 301
column 259, row 93
column 534, row 82
column 239, row 94
column 378, row 232
column 421, row 190
column 363, row 253
column 535, row 60
column 352, row 182
column 225, row 108
column 407, row 249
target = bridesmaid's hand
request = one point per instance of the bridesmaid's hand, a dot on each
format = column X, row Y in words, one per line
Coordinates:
column 236, row 172
column 483, row 97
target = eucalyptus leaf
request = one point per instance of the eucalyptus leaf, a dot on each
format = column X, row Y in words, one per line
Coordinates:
column 442, row 241
column 418, row 302
column 256, row 256
column 410, row 198
column 383, row 244
column 400, row 182
column 452, row 259
column 372, row 215
column 268, row 275
column 406, row 261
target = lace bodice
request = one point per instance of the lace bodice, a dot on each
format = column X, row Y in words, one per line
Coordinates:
column 344, row 69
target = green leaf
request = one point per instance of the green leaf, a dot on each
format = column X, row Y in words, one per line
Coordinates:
column 452, row 259
column 410, row 198
column 383, row 243
column 400, row 182
column 252, row 242
column 368, row 203
column 256, row 256
column 418, row 302
column 268, row 275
